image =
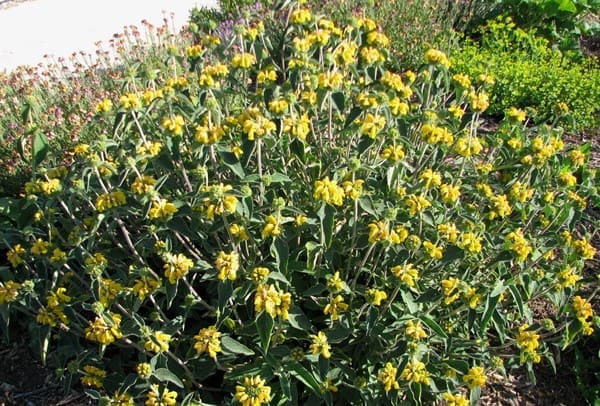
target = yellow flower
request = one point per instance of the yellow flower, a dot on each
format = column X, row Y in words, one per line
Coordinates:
column 208, row 340
column 109, row 200
column 104, row 329
column 219, row 201
column 455, row 400
column 159, row 342
column 414, row 330
column 456, row 111
column 194, row 51
column 298, row 127
column 271, row 228
column 278, row 106
column 209, row 134
column 398, row 235
column 372, row 124
column 176, row 266
column 121, row 399
column 378, row 232
column 436, row 57
column 516, row 115
column 253, row 392
column 433, row 250
column 227, row 265
column 145, row 286
column 450, row 290
column 300, row 16
column 528, row 342
column 479, row 101
column 462, row 80
column 9, row 291
column 239, row 232
column 40, row 247
column 398, row 107
column 254, row 124
column 583, row 308
column 584, row 248
column 472, row 297
column 449, row 193
column 260, row 274
column 243, row 60
column 431, row 178
column 51, row 186
column 174, row 125
column 416, row 204
column 266, row 75
column 470, row 242
column 415, row 371
column 142, row 185
column 393, row 153
column 516, row 242
column 300, row 220
column 335, row 306
column 387, row 376
column 468, row 146
column 334, row 283
column 57, row 297
column 104, row 106
column 577, row 157
column 448, row 231
column 130, row 101
column 93, row 376
column 378, row 38
column 353, row 189
column 272, row 301
column 520, row 192
column 500, row 207
column 408, row 274
column 320, row 344
column 475, row 378
column 371, row 55
column 567, row 278
column 376, row 296
column 15, row 255
column 158, row 398
column 329, row 191
column 144, row 370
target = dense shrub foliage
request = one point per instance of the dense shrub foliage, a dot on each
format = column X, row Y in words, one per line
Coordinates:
column 530, row 75
column 291, row 222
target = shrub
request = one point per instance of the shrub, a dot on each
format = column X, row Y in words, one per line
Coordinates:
column 306, row 228
column 560, row 21
column 530, row 75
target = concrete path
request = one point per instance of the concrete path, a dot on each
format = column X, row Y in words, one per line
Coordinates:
column 29, row 30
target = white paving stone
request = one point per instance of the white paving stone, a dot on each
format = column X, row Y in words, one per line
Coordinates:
column 32, row 29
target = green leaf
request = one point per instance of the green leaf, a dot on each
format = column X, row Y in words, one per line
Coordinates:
column 339, row 101
column 278, row 276
column 264, row 326
column 298, row 319
column 409, row 301
column 304, row 376
column 434, row 326
column 354, row 113
column 490, row 306
column 233, row 346
column 326, row 214
column 281, row 252
column 164, row 375
column 517, row 297
column 40, row 148
column 224, row 290
column 280, row 178
column 230, row 160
